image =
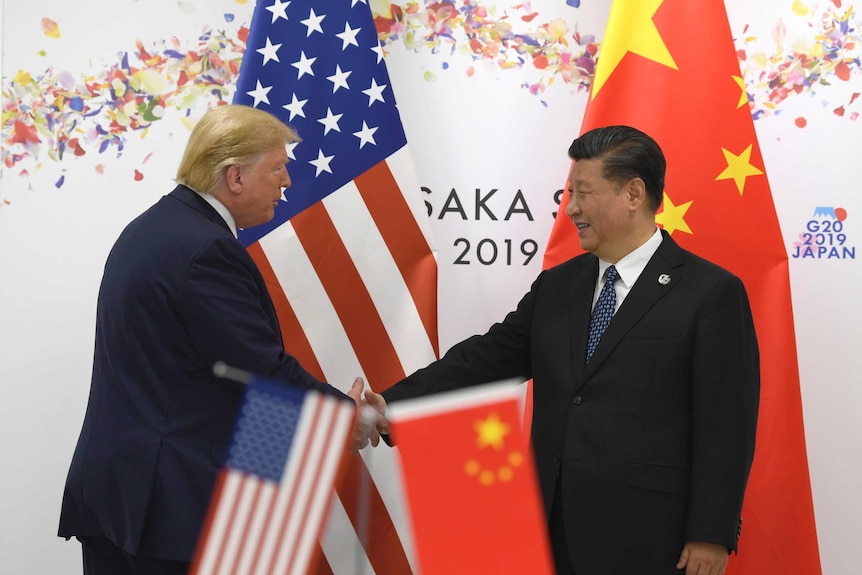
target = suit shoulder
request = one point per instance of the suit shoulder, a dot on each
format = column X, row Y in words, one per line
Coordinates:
column 704, row 266
column 571, row 265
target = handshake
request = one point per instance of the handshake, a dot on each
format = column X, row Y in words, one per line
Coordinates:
column 370, row 420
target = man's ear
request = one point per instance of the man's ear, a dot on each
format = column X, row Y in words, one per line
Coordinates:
column 636, row 192
column 233, row 178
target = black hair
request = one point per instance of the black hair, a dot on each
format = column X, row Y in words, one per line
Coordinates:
column 625, row 153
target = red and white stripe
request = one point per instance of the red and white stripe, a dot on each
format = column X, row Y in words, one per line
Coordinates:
column 262, row 527
column 354, row 282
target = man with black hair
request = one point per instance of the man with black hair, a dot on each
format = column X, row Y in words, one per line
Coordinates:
column 646, row 378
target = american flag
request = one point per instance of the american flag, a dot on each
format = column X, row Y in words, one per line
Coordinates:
column 348, row 258
column 272, row 495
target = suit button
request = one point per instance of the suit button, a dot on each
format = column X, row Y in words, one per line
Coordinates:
column 556, row 459
column 577, row 400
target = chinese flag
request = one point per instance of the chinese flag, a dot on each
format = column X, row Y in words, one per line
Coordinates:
column 669, row 68
column 470, row 482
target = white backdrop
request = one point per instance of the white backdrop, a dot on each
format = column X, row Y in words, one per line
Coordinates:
column 473, row 124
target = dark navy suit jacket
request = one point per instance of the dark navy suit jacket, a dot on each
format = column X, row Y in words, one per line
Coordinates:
column 179, row 293
column 653, row 439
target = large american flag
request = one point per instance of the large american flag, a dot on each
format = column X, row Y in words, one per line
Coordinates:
column 272, row 495
column 348, row 258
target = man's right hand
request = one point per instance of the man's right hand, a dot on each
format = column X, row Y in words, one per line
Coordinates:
column 376, row 401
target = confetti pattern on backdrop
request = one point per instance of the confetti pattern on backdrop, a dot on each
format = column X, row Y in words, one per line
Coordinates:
column 783, row 66
column 515, row 38
column 59, row 115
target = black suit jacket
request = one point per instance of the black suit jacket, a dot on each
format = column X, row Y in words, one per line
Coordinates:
column 179, row 293
column 652, row 441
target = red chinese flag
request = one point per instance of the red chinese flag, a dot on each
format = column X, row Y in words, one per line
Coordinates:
column 471, row 483
column 669, row 68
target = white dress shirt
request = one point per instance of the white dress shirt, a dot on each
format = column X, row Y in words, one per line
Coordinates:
column 629, row 267
column 222, row 211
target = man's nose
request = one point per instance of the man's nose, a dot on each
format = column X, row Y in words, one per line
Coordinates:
column 572, row 207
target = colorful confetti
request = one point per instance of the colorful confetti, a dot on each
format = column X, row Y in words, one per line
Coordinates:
column 468, row 29
column 50, row 28
column 831, row 53
column 61, row 115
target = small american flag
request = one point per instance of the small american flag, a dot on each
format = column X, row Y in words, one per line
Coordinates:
column 348, row 258
column 272, row 496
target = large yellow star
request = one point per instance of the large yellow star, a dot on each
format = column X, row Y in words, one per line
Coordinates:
column 671, row 217
column 630, row 29
column 491, row 431
column 743, row 97
column 738, row 168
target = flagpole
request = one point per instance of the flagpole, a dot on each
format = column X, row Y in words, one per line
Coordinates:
column 369, row 418
column 363, row 522
column 224, row 371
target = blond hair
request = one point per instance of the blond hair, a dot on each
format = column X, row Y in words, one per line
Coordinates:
column 229, row 135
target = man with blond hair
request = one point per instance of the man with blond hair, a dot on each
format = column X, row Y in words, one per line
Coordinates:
column 179, row 293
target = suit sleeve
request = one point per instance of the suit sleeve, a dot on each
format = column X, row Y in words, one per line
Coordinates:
column 725, row 401
column 501, row 353
column 228, row 319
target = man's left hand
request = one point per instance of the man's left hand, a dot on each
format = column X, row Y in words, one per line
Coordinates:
column 363, row 431
column 699, row 558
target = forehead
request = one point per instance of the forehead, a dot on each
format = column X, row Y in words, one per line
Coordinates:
column 277, row 155
column 586, row 171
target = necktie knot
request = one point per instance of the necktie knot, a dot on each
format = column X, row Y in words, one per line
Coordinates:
column 604, row 310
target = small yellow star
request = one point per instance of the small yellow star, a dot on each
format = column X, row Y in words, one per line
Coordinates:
column 630, row 29
column 743, row 97
column 491, row 431
column 738, row 168
column 671, row 218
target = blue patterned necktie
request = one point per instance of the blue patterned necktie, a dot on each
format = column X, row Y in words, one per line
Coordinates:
column 604, row 311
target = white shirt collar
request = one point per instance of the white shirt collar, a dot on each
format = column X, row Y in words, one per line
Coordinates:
column 222, row 211
column 632, row 264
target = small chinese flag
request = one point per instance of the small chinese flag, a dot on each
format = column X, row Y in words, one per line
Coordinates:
column 670, row 69
column 470, row 483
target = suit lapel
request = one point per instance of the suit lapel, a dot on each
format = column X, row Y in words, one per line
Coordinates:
column 666, row 263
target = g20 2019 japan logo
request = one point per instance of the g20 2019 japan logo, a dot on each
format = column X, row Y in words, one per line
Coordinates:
column 824, row 237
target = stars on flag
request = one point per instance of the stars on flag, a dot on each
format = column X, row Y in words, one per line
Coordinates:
column 289, row 148
column 320, row 68
column 743, row 96
column 321, row 164
column 378, row 49
column 303, row 65
column 738, row 168
column 313, row 23
column 491, row 432
column 260, row 94
column 630, row 29
column 330, row 121
column 278, row 10
column 348, row 37
column 339, row 79
column 270, row 51
column 295, row 107
column 375, row 92
column 672, row 217
column 365, row 135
